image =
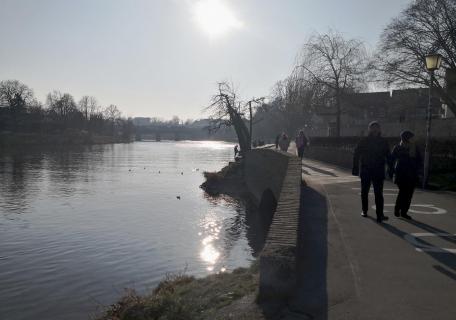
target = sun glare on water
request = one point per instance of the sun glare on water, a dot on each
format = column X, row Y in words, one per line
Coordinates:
column 215, row 18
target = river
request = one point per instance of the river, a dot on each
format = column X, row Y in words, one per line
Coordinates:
column 78, row 225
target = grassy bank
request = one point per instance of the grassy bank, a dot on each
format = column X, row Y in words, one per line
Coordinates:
column 229, row 181
column 182, row 297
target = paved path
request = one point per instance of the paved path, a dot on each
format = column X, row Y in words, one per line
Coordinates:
column 354, row 268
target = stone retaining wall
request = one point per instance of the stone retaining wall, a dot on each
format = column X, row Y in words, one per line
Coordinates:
column 265, row 169
column 279, row 172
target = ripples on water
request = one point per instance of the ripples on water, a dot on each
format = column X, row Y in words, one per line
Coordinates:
column 77, row 226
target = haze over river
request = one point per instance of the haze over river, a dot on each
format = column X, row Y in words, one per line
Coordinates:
column 79, row 225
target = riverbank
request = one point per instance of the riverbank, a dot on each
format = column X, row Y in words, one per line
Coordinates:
column 228, row 181
column 67, row 138
column 225, row 295
column 187, row 298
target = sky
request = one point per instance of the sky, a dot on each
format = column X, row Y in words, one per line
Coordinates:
column 160, row 58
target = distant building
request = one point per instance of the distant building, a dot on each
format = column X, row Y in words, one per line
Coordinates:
column 201, row 123
column 398, row 109
column 395, row 106
column 141, row 121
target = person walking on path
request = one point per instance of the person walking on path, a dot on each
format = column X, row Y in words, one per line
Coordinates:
column 301, row 143
column 277, row 139
column 372, row 153
column 284, row 142
column 406, row 159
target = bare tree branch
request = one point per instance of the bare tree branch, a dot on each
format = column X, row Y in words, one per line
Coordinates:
column 423, row 27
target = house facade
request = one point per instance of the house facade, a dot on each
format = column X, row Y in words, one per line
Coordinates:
column 396, row 110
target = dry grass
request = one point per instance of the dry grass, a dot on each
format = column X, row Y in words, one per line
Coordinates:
column 183, row 297
column 231, row 170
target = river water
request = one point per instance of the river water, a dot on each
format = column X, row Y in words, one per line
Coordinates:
column 77, row 226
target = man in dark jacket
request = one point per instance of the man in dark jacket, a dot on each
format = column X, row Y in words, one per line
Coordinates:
column 372, row 153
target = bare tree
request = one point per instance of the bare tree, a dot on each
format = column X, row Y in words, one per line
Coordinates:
column 61, row 104
column 63, row 111
column 21, row 112
column 16, row 97
column 294, row 102
column 424, row 27
column 12, row 91
column 226, row 111
column 253, row 104
column 112, row 114
column 334, row 63
column 88, row 106
column 175, row 121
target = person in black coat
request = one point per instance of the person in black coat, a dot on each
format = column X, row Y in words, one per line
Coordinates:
column 372, row 154
column 407, row 160
column 277, row 139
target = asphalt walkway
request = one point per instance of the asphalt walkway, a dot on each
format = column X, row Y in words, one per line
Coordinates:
column 354, row 268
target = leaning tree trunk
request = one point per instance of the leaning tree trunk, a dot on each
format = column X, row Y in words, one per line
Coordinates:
column 242, row 133
column 241, row 129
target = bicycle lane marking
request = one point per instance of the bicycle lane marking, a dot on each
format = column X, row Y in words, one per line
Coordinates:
column 412, row 238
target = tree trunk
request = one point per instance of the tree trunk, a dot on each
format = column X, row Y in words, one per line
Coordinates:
column 338, row 112
column 240, row 128
column 251, row 127
column 242, row 134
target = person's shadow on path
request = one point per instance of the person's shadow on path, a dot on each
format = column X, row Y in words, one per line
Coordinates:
column 447, row 259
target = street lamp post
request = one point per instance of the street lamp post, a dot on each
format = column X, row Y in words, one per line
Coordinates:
column 432, row 63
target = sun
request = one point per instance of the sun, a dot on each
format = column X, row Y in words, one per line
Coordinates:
column 215, row 18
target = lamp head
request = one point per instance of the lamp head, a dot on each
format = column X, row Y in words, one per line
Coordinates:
column 433, row 61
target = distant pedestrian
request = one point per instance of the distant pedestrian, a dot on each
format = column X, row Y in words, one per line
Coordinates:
column 407, row 160
column 284, row 142
column 277, row 139
column 301, row 143
column 236, row 151
column 372, row 153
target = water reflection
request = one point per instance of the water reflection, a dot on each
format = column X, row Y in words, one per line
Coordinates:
column 210, row 234
column 77, row 222
column 219, row 237
column 14, row 175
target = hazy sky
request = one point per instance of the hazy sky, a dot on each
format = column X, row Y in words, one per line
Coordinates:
column 164, row 57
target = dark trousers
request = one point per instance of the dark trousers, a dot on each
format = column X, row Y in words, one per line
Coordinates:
column 377, row 182
column 301, row 152
column 404, row 198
